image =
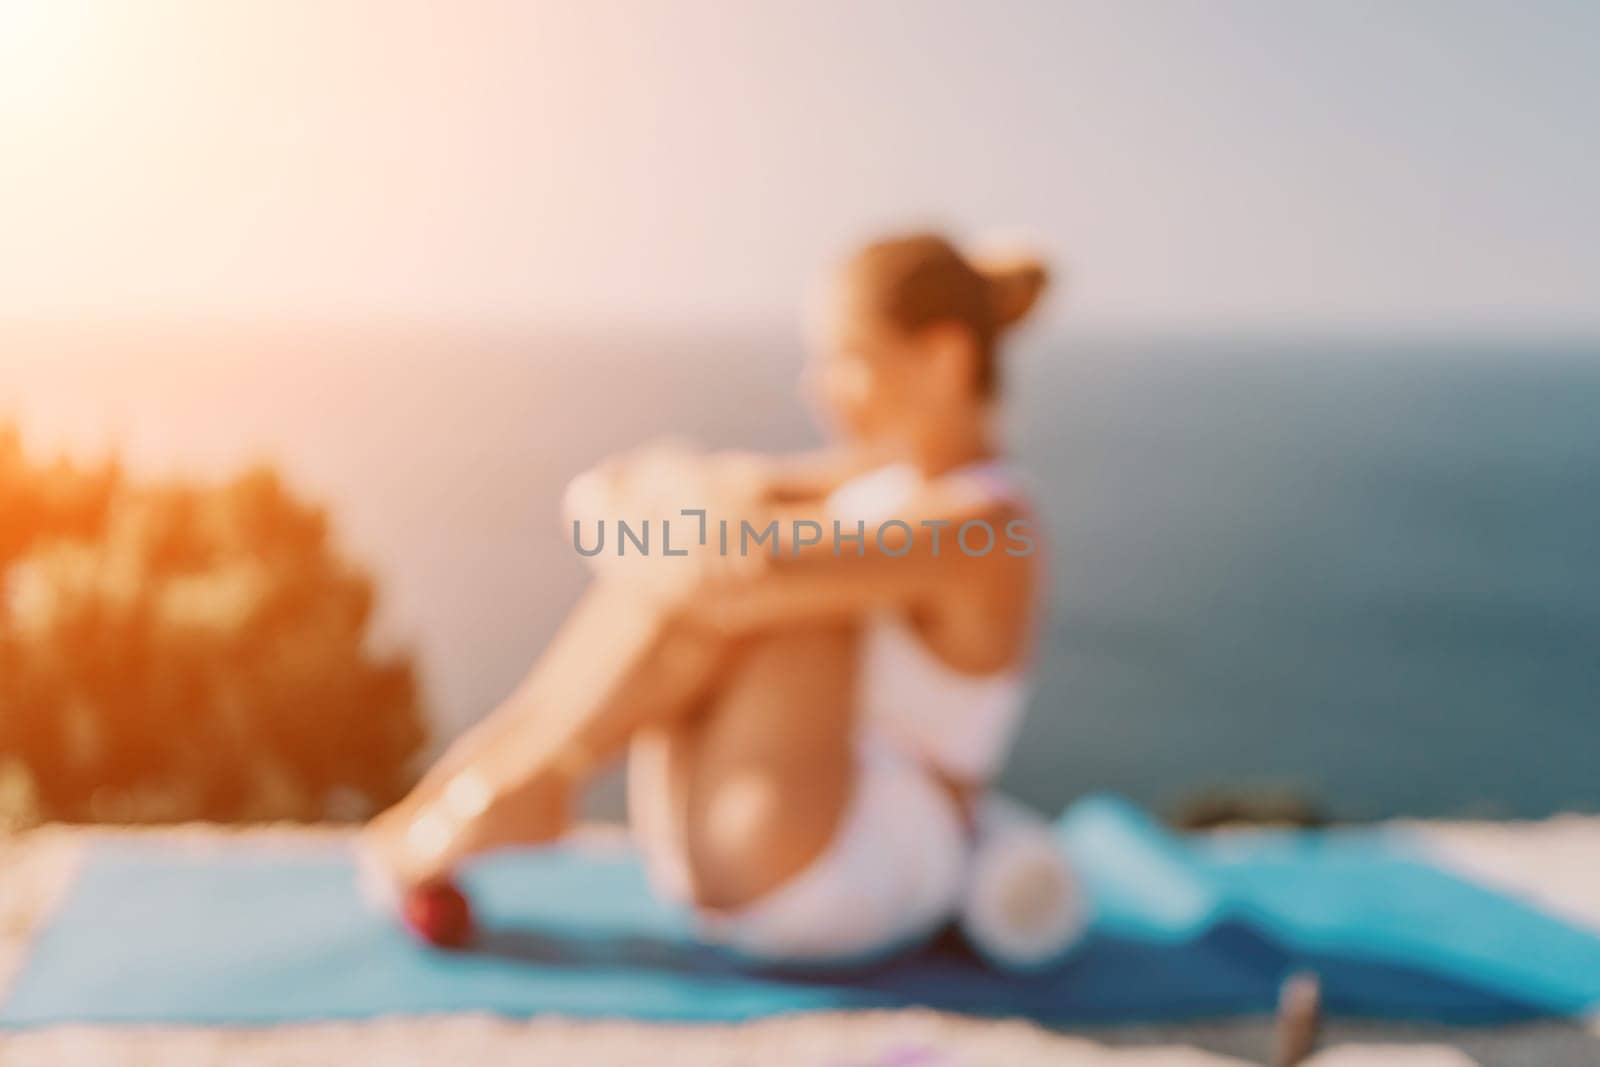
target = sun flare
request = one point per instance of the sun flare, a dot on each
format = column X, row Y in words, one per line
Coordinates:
column 42, row 47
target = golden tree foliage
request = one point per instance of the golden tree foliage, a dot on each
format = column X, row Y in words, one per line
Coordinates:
column 177, row 651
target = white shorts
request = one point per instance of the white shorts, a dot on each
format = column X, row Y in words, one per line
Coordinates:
column 892, row 876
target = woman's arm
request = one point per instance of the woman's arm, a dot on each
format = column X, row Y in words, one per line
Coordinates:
column 661, row 478
column 793, row 478
column 937, row 544
column 944, row 547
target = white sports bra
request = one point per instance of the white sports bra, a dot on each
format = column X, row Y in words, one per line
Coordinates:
column 961, row 723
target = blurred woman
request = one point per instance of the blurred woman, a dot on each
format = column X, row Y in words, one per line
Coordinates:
column 807, row 723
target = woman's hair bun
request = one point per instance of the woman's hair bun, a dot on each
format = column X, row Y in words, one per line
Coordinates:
column 1016, row 282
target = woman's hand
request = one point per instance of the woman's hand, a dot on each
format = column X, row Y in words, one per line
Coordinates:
column 663, row 478
column 650, row 490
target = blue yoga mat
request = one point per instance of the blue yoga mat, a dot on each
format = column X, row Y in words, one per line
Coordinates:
column 153, row 932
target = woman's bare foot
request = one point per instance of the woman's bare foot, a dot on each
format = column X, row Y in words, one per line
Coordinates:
column 423, row 839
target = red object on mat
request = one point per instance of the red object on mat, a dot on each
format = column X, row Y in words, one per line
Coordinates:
column 439, row 914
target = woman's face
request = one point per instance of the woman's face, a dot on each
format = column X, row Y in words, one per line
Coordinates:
column 873, row 383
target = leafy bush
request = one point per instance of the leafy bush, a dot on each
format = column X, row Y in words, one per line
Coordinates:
column 178, row 651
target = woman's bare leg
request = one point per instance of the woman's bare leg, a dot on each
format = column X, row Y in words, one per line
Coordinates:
column 619, row 664
column 750, row 745
column 751, row 789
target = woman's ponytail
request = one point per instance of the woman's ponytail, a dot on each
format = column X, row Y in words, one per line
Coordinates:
column 1015, row 285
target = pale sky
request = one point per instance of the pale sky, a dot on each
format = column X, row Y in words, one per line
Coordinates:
column 1235, row 163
